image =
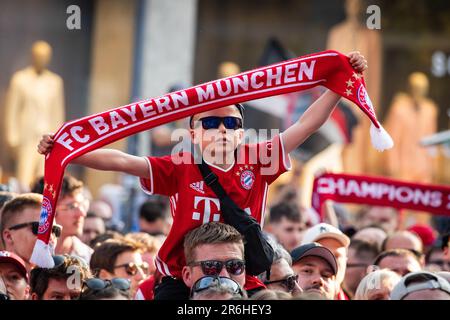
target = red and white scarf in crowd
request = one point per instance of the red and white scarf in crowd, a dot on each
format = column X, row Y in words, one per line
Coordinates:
column 75, row 138
column 379, row 191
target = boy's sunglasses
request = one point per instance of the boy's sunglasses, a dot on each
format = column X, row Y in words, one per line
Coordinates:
column 288, row 282
column 234, row 267
column 132, row 268
column 56, row 229
column 214, row 281
column 233, row 123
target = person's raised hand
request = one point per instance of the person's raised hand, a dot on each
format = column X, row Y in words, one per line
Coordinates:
column 46, row 144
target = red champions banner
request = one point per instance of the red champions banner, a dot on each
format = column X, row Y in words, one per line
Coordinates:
column 330, row 69
column 380, row 191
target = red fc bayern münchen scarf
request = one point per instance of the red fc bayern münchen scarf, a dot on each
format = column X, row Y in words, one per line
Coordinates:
column 75, row 138
column 380, row 191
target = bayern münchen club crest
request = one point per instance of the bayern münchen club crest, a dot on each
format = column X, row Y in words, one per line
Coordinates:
column 46, row 213
column 364, row 99
column 247, row 179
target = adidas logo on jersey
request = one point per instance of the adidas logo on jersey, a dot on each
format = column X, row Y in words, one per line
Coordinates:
column 198, row 186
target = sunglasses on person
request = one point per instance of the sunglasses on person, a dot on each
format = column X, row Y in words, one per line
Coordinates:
column 56, row 229
column 95, row 285
column 132, row 268
column 216, row 282
column 234, row 267
column 214, row 122
column 289, row 282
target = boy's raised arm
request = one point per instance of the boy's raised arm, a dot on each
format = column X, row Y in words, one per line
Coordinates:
column 316, row 115
column 104, row 159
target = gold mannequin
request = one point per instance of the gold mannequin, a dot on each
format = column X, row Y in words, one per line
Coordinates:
column 34, row 106
column 347, row 36
column 411, row 117
column 228, row 69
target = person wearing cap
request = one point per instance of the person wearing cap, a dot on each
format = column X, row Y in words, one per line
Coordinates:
column 421, row 285
column 316, row 267
column 14, row 274
column 337, row 242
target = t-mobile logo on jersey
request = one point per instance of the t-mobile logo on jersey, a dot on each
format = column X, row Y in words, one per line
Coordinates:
column 207, row 209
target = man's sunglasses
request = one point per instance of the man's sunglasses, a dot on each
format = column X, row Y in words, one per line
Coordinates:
column 214, row 122
column 94, row 285
column 216, row 282
column 56, row 229
column 288, row 282
column 234, row 267
column 132, row 268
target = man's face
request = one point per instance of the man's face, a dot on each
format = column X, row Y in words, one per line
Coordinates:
column 437, row 262
column 217, row 142
column 219, row 251
column 92, row 227
column 58, row 290
column 16, row 284
column 71, row 212
column 402, row 265
column 279, row 271
column 21, row 241
column 340, row 252
column 288, row 233
column 384, row 217
column 316, row 275
column 136, row 274
column 356, row 269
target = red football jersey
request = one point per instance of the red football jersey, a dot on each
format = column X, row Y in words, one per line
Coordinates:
column 193, row 203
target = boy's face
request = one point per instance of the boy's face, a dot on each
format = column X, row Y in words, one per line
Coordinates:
column 221, row 141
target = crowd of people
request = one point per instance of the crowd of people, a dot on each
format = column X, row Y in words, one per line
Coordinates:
column 370, row 260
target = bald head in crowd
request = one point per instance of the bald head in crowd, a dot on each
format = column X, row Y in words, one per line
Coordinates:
column 403, row 240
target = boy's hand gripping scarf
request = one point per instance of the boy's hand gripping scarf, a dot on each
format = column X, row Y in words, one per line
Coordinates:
column 330, row 69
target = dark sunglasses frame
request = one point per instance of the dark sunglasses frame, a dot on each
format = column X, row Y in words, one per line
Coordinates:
column 218, row 265
column 214, row 122
column 131, row 268
column 288, row 282
column 97, row 285
column 56, row 230
column 207, row 282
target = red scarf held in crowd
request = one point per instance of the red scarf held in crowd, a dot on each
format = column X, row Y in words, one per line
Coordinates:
column 380, row 191
column 75, row 138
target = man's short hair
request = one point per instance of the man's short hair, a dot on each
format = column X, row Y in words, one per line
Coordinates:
column 395, row 253
column 364, row 248
column 210, row 233
column 69, row 186
column 6, row 196
column 286, row 210
column 17, row 205
column 105, row 254
column 40, row 277
column 151, row 211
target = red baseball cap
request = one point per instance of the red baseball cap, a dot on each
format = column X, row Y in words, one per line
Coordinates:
column 425, row 233
column 11, row 257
